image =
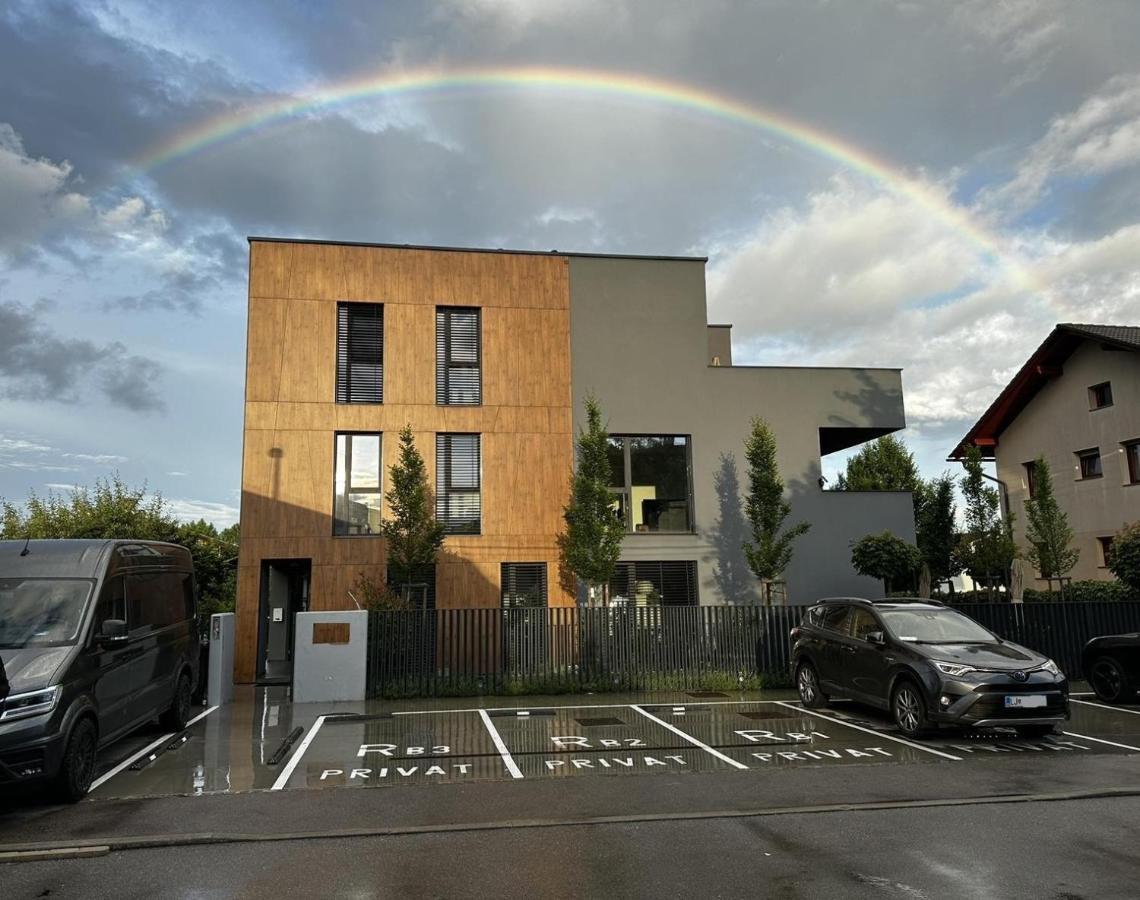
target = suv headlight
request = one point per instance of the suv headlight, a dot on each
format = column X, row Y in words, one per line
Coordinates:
column 33, row 703
column 1050, row 667
column 952, row 669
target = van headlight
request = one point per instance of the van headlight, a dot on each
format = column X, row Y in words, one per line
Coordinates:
column 33, row 703
column 1050, row 667
column 952, row 669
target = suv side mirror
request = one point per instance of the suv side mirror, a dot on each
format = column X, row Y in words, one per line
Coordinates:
column 875, row 637
column 114, row 631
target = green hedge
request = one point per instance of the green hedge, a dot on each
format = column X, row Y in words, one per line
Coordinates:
column 1076, row 592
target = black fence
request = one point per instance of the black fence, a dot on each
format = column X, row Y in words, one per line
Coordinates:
column 536, row 650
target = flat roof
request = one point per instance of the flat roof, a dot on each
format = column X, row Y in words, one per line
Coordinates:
column 281, row 240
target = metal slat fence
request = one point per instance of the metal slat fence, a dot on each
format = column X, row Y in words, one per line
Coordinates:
column 567, row 649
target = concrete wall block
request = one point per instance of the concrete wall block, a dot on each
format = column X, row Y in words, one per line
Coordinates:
column 330, row 656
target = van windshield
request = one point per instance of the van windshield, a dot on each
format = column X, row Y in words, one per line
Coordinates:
column 41, row 612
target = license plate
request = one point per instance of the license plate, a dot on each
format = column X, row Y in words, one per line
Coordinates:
column 1025, row 701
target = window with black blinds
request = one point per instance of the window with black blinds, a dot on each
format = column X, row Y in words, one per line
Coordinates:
column 523, row 585
column 458, row 504
column 666, row 583
column 458, row 376
column 360, row 353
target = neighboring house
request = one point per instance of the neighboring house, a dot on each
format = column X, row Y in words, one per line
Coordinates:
column 489, row 356
column 1076, row 402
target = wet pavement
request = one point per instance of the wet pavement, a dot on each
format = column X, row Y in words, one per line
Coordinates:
column 264, row 742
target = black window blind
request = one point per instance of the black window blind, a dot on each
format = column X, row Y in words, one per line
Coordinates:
column 669, row 583
column 458, row 356
column 523, row 585
column 360, row 353
column 458, row 504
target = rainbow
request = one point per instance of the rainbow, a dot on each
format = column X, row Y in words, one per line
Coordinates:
column 624, row 86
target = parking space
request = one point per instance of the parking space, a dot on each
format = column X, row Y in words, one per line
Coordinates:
column 274, row 745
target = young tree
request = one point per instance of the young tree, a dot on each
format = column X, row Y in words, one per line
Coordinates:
column 886, row 557
column 769, row 551
column 1124, row 556
column 986, row 548
column 592, row 541
column 1047, row 528
column 884, row 464
column 934, row 526
column 414, row 535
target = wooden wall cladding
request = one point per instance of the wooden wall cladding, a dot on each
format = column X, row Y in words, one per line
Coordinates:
column 290, row 416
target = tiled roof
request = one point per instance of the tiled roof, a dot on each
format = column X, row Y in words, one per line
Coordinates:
column 1124, row 335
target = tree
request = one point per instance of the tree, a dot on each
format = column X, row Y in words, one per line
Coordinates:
column 1124, row 556
column 769, row 552
column 935, row 514
column 886, row 557
column 215, row 564
column 414, row 535
column 592, row 541
column 1047, row 528
column 884, row 464
column 986, row 548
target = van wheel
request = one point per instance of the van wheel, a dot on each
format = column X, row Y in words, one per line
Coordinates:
column 77, row 770
column 909, row 709
column 807, row 683
column 175, row 718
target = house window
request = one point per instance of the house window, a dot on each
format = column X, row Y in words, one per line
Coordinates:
column 1105, row 546
column 359, row 353
column 458, row 504
column 523, row 585
column 1090, row 463
column 650, row 479
column 458, row 354
column 669, row 583
column 1031, row 478
column 1100, row 395
column 356, row 494
column 1132, row 456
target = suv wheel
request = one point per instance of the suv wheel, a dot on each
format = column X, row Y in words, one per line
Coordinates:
column 1109, row 680
column 909, row 709
column 77, row 770
column 175, row 718
column 807, row 683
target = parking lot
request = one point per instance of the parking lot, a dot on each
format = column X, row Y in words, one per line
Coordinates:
column 262, row 742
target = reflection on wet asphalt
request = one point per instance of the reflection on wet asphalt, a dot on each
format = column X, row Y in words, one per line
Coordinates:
column 364, row 745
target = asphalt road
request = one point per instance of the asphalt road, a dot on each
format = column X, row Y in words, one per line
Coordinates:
column 1073, row 849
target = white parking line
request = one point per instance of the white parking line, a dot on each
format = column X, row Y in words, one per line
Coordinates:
column 130, row 760
column 1085, row 737
column 897, row 740
column 689, row 737
column 475, row 709
column 287, row 772
column 508, row 760
column 1135, row 712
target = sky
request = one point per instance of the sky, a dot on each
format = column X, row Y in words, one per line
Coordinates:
column 923, row 185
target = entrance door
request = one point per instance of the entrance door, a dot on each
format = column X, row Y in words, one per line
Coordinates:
column 284, row 593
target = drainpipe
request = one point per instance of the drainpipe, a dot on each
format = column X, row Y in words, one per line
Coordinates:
column 1003, row 495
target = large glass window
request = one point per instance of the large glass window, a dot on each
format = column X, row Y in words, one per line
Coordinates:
column 665, row 583
column 651, row 481
column 458, row 502
column 360, row 353
column 458, row 379
column 357, row 485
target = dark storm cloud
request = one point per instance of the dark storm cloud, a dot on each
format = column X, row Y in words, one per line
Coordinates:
column 36, row 363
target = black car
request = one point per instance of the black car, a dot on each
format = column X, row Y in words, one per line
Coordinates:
column 1112, row 666
column 96, row 639
column 927, row 665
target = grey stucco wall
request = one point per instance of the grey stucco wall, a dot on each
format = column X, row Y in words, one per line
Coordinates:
column 1057, row 423
column 639, row 342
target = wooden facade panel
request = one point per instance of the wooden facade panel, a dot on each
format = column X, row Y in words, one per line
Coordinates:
column 308, row 352
column 263, row 349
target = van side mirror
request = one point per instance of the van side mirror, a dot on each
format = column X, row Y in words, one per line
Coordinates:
column 875, row 637
column 114, row 631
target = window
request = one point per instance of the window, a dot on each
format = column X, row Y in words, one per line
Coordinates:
column 158, row 599
column 112, row 603
column 523, row 585
column 1100, row 395
column 458, row 504
column 670, row 583
column 458, row 350
column 356, row 491
column 1105, row 546
column 650, row 479
column 836, row 618
column 1090, row 463
column 1132, row 456
column 864, row 622
column 1031, row 478
column 359, row 353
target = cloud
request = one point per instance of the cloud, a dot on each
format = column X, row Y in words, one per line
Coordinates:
column 36, row 363
column 221, row 515
column 33, row 193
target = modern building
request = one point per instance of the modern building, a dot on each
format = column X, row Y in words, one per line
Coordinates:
column 1075, row 402
column 488, row 355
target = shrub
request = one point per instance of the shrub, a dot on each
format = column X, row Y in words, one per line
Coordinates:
column 1124, row 556
column 886, row 557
